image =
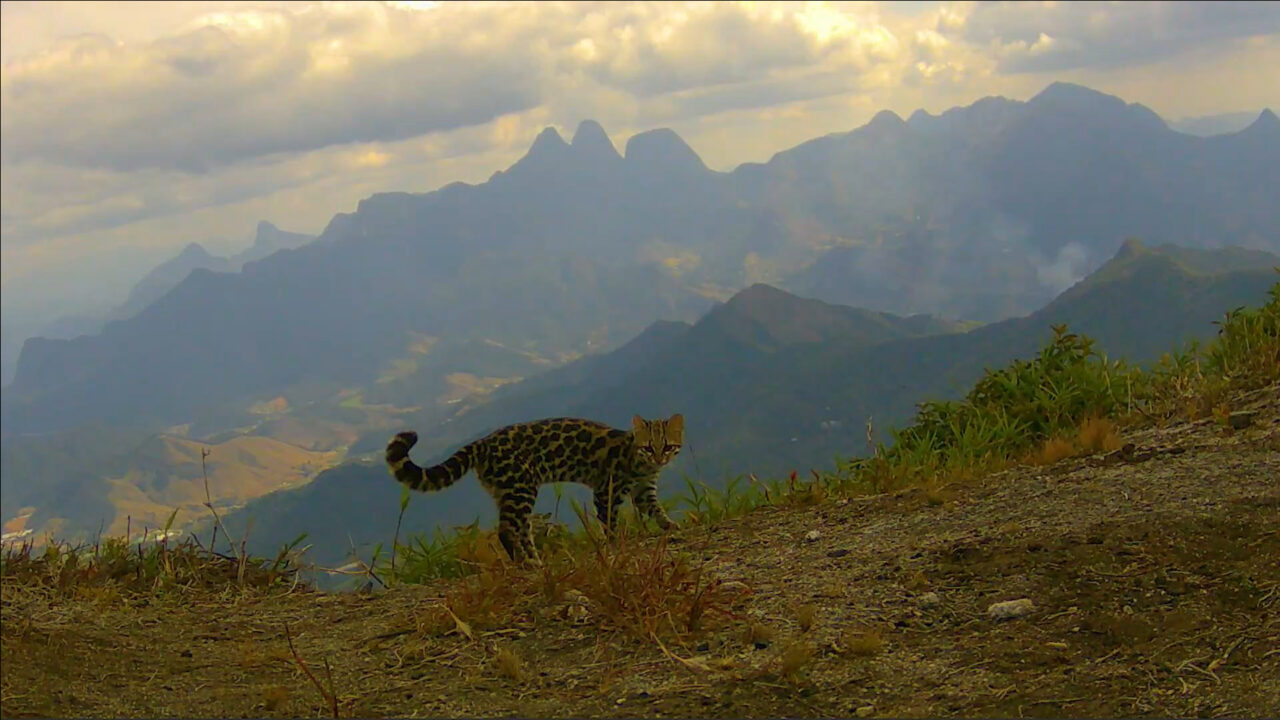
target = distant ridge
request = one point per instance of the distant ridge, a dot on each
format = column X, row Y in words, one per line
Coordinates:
column 576, row 248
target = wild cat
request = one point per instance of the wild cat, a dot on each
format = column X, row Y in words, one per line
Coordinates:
column 512, row 462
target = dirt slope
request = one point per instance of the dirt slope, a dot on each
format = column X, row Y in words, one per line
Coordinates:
column 1155, row 579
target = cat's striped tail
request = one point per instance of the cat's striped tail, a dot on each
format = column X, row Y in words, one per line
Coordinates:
column 427, row 479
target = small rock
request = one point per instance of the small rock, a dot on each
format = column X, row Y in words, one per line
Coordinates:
column 812, row 536
column 928, row 600
column 1241, row 419
column 865, row 711
column 1010, row 609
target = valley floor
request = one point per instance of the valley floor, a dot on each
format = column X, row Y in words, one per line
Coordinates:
column 1154, row 578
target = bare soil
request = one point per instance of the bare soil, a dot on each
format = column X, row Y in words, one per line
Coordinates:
column 1154, row 575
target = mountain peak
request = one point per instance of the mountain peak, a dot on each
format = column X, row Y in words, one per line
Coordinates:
column 757, row 294
column 1267, row 120
column 591, row 139
column 920, row 116
column 547, row 141
column 266, row 234
column 764, row 316
column 886, row 119
column 1064, row 97
column 193, row 251
column 1130, row 248
column 1065, row 92
column 547, row 152
column 662, row 150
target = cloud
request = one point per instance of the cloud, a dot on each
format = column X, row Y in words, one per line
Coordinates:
column 1039, row 37
column 250, row 84
column 244, row 84
column 653, row 49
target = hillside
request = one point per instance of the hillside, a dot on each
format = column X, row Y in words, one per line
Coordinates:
column 1151, row 574
column 768, row 383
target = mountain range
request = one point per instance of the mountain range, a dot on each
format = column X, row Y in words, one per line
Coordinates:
column 159, row 280
column 537, row 292
column 980, row 213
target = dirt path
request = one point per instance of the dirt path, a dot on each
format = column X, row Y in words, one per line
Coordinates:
column 1155, row 582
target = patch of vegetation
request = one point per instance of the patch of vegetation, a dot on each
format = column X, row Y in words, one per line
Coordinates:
column 1070, row 399
column 116, row 567
column 1067, row 400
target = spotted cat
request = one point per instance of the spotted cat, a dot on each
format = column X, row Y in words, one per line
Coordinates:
column 512, row 462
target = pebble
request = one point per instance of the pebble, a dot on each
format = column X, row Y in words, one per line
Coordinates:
column 1010, row 609
column 928, row 600
column 812, row 536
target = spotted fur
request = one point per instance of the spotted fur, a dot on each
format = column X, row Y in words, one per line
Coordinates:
column 512, row 462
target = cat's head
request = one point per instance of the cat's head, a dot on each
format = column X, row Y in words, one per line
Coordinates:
column 658, row 441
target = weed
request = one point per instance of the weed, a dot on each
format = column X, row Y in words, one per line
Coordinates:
column 1222, row 414
column 917, row 582
column 1099, row 434
column 936, row 495
column 757, row 633
column 508, row 664
column 805, row 615
column 861, row 642
column 1066, row 399
column 793, row 658
column 274, row 696
column 112, row 567
column 1053, row 450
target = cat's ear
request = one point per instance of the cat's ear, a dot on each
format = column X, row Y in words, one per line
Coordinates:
column 638, row 423
column 675, row 425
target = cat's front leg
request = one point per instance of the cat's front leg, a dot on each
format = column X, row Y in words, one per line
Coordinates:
column 645, row 497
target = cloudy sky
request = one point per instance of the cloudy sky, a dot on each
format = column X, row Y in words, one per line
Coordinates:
column 128, row 130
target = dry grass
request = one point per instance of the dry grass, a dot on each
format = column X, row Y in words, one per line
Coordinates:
column 1099, row 434
column 508, row 664
column 805, row 615
column 274, row 696
column 1053, row 450
column 861, row 642
column 112, row 569
column 647, row 591
column 794, row 658
column 757, row 633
